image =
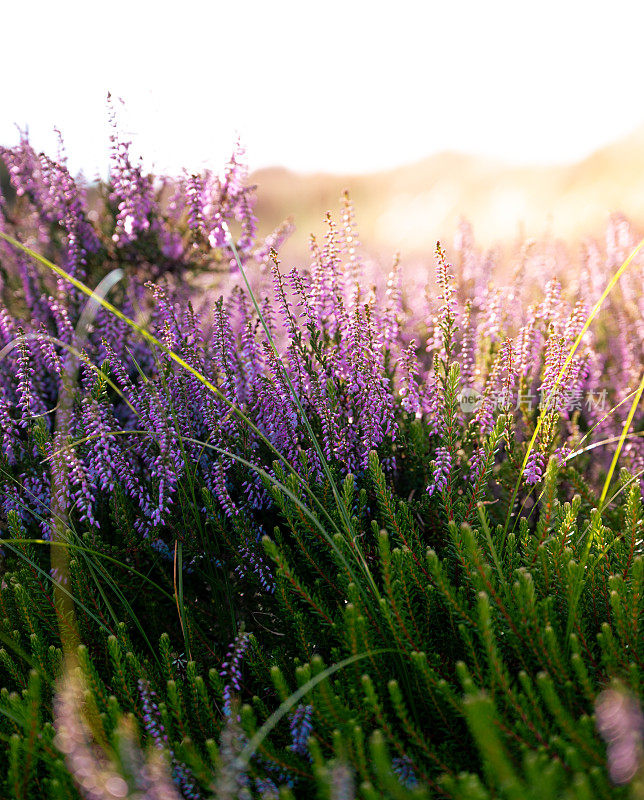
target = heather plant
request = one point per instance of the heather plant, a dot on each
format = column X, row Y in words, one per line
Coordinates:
column 318, row 536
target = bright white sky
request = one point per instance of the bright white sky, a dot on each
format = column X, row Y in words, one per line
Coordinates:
column 337, row 86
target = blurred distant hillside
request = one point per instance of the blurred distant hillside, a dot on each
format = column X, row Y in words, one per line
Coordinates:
column 409, row 208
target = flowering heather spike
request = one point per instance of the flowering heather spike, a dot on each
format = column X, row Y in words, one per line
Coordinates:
column 447, row 313
column 28, row 400
column 494, row 386
column 60, row 315
column 36, row 490
column 131, row 191
column 194, row 190
column 477, row 465
column 576, row 322
column 235, row 173
column 64, row 204
column 151, row 716
column 301, row 725
column 77, row 489
column 549, row 308
column 467, row 356
column 24, row 169
column 231, row 669
column 103, row 465
column 8, row 328
column 280, row 298
column 326, row 283
column 301, row 288
column 526, row 346
column 506, row 391
column 50, row 358
column 228, row 506
column 553, row 389
column 442, row 467
column 434, row 401
column 250, row 354
column 533, row 471
column 404, row 769
column 394, row 309
column 492, row 320
column 331, row 260
column 409, row 385
column 10, row 435
column 244, row 213
column 266, row 788
column 251, row 555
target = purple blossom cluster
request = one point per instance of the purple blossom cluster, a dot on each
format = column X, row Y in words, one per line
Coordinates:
column 404, row 769
column 301, row 726
column 231, row 669
column 442, row 466
column 533, row 471
column 328, row 355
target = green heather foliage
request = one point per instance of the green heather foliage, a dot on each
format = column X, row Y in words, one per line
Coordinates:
column 273, row 552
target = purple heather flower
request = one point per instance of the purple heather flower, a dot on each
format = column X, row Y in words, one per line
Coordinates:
column 444, row 280
column 477, row 465
column 441, row 469
column 231, row 669
column 132, row 192
column 252, row 557
column 434, row 403
column 507, row 376
column 533, row 471
column 221, row 490
column 194, row 190
column 409, row 385
column 151, row 715
column 9, row 430
column 467, row 356
column 36, row 489
column 266, row 788
column 404, row 769
column 24, row 168
column 301, row 725
column 75, row 489
column 553, row 388
column 29, row 400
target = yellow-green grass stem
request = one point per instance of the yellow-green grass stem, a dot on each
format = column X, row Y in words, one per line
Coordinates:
column 596, row 309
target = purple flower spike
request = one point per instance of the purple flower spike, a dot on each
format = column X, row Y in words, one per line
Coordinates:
column 301, row 725
column 442, row 466
column 231, row 669
column 533, row 471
